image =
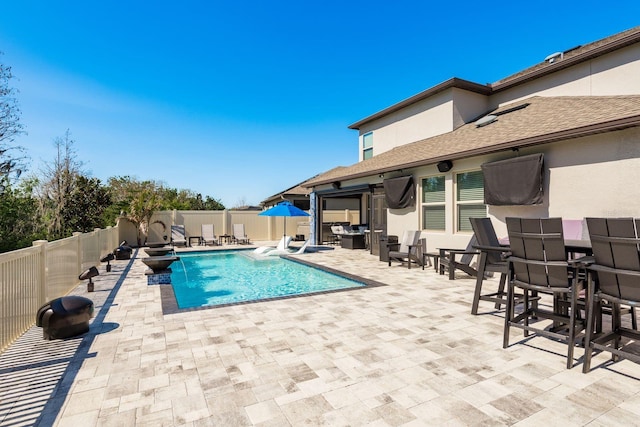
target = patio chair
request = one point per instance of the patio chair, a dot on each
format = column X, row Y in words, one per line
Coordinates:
column 336, row 234
column 239, row 236
column 407, row 248
column 538, row 265
column 208, row 236
column 490, row 260
column 283, row 245
column 178, row 236
column 450, row 262
column 614, row 279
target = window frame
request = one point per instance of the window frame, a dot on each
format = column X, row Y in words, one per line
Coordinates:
column 473, row 202
column 424, row 204
column 367, row 151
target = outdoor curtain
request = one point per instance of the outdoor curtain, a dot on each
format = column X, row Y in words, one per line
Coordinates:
column 515, row 181
column 400, row 192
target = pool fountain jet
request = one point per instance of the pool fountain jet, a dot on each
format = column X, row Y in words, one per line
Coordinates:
column 161, row 251
column 159, row 272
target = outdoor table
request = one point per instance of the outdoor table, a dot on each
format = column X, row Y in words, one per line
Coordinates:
column 224, row 238
column 573, row 246
column 198, row 238
column 352, row 241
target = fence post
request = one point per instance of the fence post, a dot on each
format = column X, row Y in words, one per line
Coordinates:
column 42, row 274
column 76, row 235
column 225, row 221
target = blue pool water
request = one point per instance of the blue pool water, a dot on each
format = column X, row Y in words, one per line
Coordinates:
column 227, row 277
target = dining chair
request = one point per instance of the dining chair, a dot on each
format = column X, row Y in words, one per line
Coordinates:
column 614, row 280
column 491, row 259
column 538, row 266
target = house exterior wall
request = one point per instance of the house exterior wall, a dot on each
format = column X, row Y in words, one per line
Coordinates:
column 429, row 117
column 468, row 106
column 580, row 179
column 591, row 176
column 613, row 74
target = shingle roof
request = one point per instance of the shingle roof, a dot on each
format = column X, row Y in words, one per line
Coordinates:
column 298, row 190
column 539, row 120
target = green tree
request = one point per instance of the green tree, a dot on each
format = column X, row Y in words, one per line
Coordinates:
column 137, row 201
column 19, row 221
column 211, row 204
column 86, row 205
column 12, row 157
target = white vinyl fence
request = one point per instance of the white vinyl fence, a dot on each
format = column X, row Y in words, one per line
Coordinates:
column 32, row 276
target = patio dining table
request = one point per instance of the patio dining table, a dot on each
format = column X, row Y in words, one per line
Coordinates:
column 573, row 246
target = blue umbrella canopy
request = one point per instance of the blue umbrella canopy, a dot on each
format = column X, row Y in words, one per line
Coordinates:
column 284, row 209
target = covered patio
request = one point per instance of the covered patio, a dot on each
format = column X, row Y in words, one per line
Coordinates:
column 407, row 353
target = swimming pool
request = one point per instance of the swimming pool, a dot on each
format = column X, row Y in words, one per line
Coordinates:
column 227, row 277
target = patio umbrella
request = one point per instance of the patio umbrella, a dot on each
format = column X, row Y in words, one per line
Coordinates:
column 284, row 209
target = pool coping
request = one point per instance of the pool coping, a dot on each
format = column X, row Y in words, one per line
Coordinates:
column 170, row 303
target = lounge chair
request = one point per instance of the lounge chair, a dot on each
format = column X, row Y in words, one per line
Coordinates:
column 239, row 236
column 449, row 259
column 270, row 251
column 282, row 245
column 208, row 236
column 407, row 248
column 178, row 236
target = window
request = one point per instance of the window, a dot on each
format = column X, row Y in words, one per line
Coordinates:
column 469, row 198
column 433, row 203
column 367, row 146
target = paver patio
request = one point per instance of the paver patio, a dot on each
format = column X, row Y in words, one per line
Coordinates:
column 408, row 353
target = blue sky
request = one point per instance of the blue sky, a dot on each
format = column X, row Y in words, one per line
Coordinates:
column 240, row 100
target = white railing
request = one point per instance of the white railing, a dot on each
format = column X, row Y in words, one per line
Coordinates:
column 32, row 276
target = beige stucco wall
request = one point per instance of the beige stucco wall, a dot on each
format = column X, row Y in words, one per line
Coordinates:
column 426, row 118
column 613, row 74
column 468, row 106
column 591, row 176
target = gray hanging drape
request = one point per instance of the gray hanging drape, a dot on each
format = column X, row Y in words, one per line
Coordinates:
column 400, row 192
column 515, row 181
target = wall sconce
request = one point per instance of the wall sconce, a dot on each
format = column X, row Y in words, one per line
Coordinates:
column 445, row 166
column 381, row 175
